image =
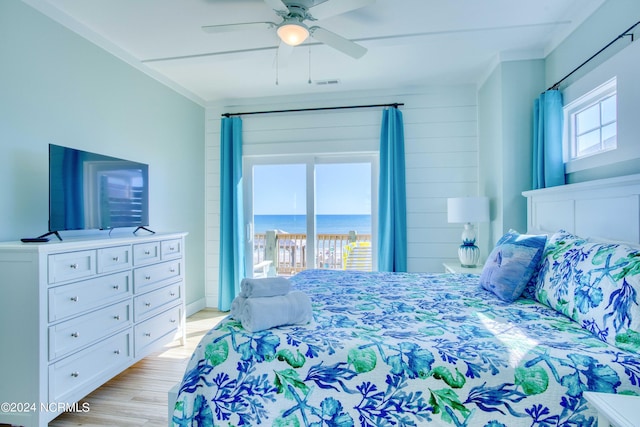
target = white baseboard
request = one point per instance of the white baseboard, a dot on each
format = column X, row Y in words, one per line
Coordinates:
column 212, row 301
column 195, row 306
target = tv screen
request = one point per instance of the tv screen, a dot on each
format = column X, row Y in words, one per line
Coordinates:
column 93, row 191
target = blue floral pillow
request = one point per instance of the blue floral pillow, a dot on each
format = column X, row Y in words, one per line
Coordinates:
column 554, row 284
column 511, row 264
column 597, row 284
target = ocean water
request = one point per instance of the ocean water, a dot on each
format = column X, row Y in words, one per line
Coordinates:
column 339, row 224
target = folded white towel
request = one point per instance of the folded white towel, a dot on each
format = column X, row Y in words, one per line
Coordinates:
column 236, row 306
column 264, row 287
column 263, row 313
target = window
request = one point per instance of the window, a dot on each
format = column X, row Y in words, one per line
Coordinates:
column 591, row 123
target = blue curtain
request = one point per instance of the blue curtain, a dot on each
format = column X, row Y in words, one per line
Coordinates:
column 232, row 268
column 392, row 202
column 548, row 165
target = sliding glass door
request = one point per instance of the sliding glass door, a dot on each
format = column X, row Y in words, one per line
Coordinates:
column 277, row 218
column 343, row 214
column 290, row 198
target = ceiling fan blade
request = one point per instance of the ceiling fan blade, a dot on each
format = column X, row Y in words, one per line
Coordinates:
column 336, row 7
column 277, row 5
column 284, row 54
column 225, row 28
column 345, row 46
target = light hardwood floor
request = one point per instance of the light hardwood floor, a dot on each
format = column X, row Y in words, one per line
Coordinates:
column 138, row 396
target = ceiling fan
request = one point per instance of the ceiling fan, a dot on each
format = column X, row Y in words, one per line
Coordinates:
column 293, row 30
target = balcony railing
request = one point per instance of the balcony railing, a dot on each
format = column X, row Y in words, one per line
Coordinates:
column 287, row 252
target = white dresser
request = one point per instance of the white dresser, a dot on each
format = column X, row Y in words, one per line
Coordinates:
column 73, row 314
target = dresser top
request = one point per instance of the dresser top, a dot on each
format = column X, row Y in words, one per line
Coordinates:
column 88, row 241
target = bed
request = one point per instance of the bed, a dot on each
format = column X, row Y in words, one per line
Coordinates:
column 412, row 349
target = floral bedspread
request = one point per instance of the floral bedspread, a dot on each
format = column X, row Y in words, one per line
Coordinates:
column 403, row 349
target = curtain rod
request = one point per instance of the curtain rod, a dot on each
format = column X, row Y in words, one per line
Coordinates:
column 394, row 105
column 623, row 34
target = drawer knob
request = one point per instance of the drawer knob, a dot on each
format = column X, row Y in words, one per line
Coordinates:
column 74, row 266
column 75, row 334
column 147, row 277
column 116, row 317
column 74, row 299
column 75, row 374
column 172, row 248
column 116, row 351
column 172, row 269
column 147, row 334
column 173, row 320
column 116, row 258
column 116, row 287
column 147, row 252
column 147, row 304
column 173, row 294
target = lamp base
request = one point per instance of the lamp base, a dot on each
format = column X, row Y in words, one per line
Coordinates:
column 469, row 255
column 468, row 252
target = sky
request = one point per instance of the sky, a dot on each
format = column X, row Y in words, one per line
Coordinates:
column 341, row 189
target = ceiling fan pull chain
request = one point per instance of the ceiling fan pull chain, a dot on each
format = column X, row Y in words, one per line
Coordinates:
column 309, row 65
column 277, row 66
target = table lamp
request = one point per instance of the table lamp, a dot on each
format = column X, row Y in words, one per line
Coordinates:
column 467, row 211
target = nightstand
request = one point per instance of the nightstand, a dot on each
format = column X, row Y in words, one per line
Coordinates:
column 617, row 410
column 455, row 267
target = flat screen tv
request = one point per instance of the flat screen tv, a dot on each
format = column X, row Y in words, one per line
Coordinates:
column 89, row 191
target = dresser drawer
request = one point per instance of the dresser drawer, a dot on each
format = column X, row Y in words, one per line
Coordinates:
column 155, row 301
column 75, row 298
column 154, row 276
column 75, row 333
column 114, row 259
column 170, row 249
column 149, row 332
column 71, row 265
column 89, row 368
column 145, row 253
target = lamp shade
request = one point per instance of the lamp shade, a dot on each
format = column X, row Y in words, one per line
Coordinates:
column 467, row 209
column 293, row 33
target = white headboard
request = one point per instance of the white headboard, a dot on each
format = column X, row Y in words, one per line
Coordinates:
column 605, row 208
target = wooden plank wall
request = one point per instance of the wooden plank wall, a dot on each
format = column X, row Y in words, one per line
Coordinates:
column 441, row 144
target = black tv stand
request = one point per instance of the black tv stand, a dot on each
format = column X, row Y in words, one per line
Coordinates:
column 55, row 233
column 141, row 227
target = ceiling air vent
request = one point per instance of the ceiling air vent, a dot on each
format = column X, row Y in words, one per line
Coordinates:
column 326, row 82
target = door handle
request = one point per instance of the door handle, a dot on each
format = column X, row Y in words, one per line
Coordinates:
column 249, row 231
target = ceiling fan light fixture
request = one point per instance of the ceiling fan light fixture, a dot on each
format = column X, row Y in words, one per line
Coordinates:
column 293, row 33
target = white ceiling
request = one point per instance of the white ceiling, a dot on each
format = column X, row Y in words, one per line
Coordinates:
column 410, row 42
